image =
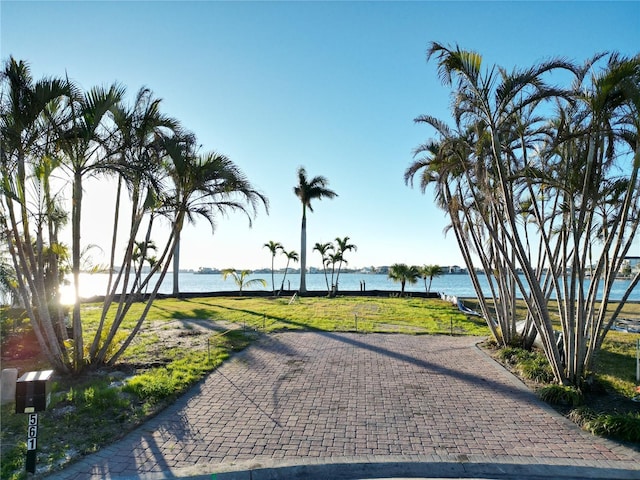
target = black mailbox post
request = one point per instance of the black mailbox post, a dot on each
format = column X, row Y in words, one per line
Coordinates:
column 33, row 391
column 32, row 396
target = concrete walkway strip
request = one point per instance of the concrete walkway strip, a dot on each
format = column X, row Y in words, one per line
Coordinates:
column 345, row 406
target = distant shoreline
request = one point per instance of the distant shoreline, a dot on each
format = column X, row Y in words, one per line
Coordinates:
column 309, row 293
column 284, row 294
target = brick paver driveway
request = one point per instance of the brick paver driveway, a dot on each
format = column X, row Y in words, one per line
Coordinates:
column 352, row 400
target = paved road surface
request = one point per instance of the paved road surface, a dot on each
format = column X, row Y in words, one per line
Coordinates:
column 339, row 405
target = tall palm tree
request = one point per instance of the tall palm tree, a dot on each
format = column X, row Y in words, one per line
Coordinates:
column 205, row 185
column 137, row 148
column 273, row 247
column 564, row 164
column 240, row 278
column 430, row 271
column 140, row 128
column 308, row 190
column 30, row 114
column 292, row 255
column 343, row 247
column 401, row 272
column 85, row 154
column 324, row 249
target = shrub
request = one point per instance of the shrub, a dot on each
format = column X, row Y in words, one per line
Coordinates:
column 531, row 365
column 623, row 426
column 536, row 368
column 561, row 395
column 514, row 355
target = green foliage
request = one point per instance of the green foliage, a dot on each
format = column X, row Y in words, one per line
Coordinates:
column 536, row 369
column 99, row 397
column 514, row 355
column 156, row 385
column 531, row 365
column 625, row 427
column 13, row 452
column 11, row 318
column 561, row 395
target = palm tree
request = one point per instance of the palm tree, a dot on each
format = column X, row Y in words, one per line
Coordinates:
column 306, row 191
column 240, row 278
column 292, row 255
column 153, row 266
column 204, row 185
column 273, row 247
column 430, row 271
column 324, row 249
column 139, row 257
column 400, row 272
column 140, row 130
column 334, row 258
column 138, row 150
column 30, row 114
column 343, row 247
column 84, row 145
column 506, row 149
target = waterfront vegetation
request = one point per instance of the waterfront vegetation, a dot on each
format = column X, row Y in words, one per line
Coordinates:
column 55, row 140
column 539, row 179
column 184, row 339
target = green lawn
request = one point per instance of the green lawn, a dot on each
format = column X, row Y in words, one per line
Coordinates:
column 364, row 314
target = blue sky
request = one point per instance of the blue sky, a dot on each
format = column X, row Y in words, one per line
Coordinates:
column 333, row 86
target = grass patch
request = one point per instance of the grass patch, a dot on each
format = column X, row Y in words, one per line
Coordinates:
column 616, row 363
column 342, row 314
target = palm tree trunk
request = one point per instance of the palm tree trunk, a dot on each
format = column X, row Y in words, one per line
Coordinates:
column 78, row 343
column 273, row 281
column 164, row 260
column 303, row 250
column 286, row 269
column 176, row 266
column 43, row 331
column 326, row 278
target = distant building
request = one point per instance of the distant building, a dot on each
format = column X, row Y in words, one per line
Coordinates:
column 632, row 263
column 207, row 270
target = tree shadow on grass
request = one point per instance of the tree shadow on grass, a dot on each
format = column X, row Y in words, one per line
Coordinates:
column 259, row 317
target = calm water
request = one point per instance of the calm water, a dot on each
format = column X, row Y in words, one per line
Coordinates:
column 457, row 285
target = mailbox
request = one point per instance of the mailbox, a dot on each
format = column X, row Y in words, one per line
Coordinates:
column 33, row 391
